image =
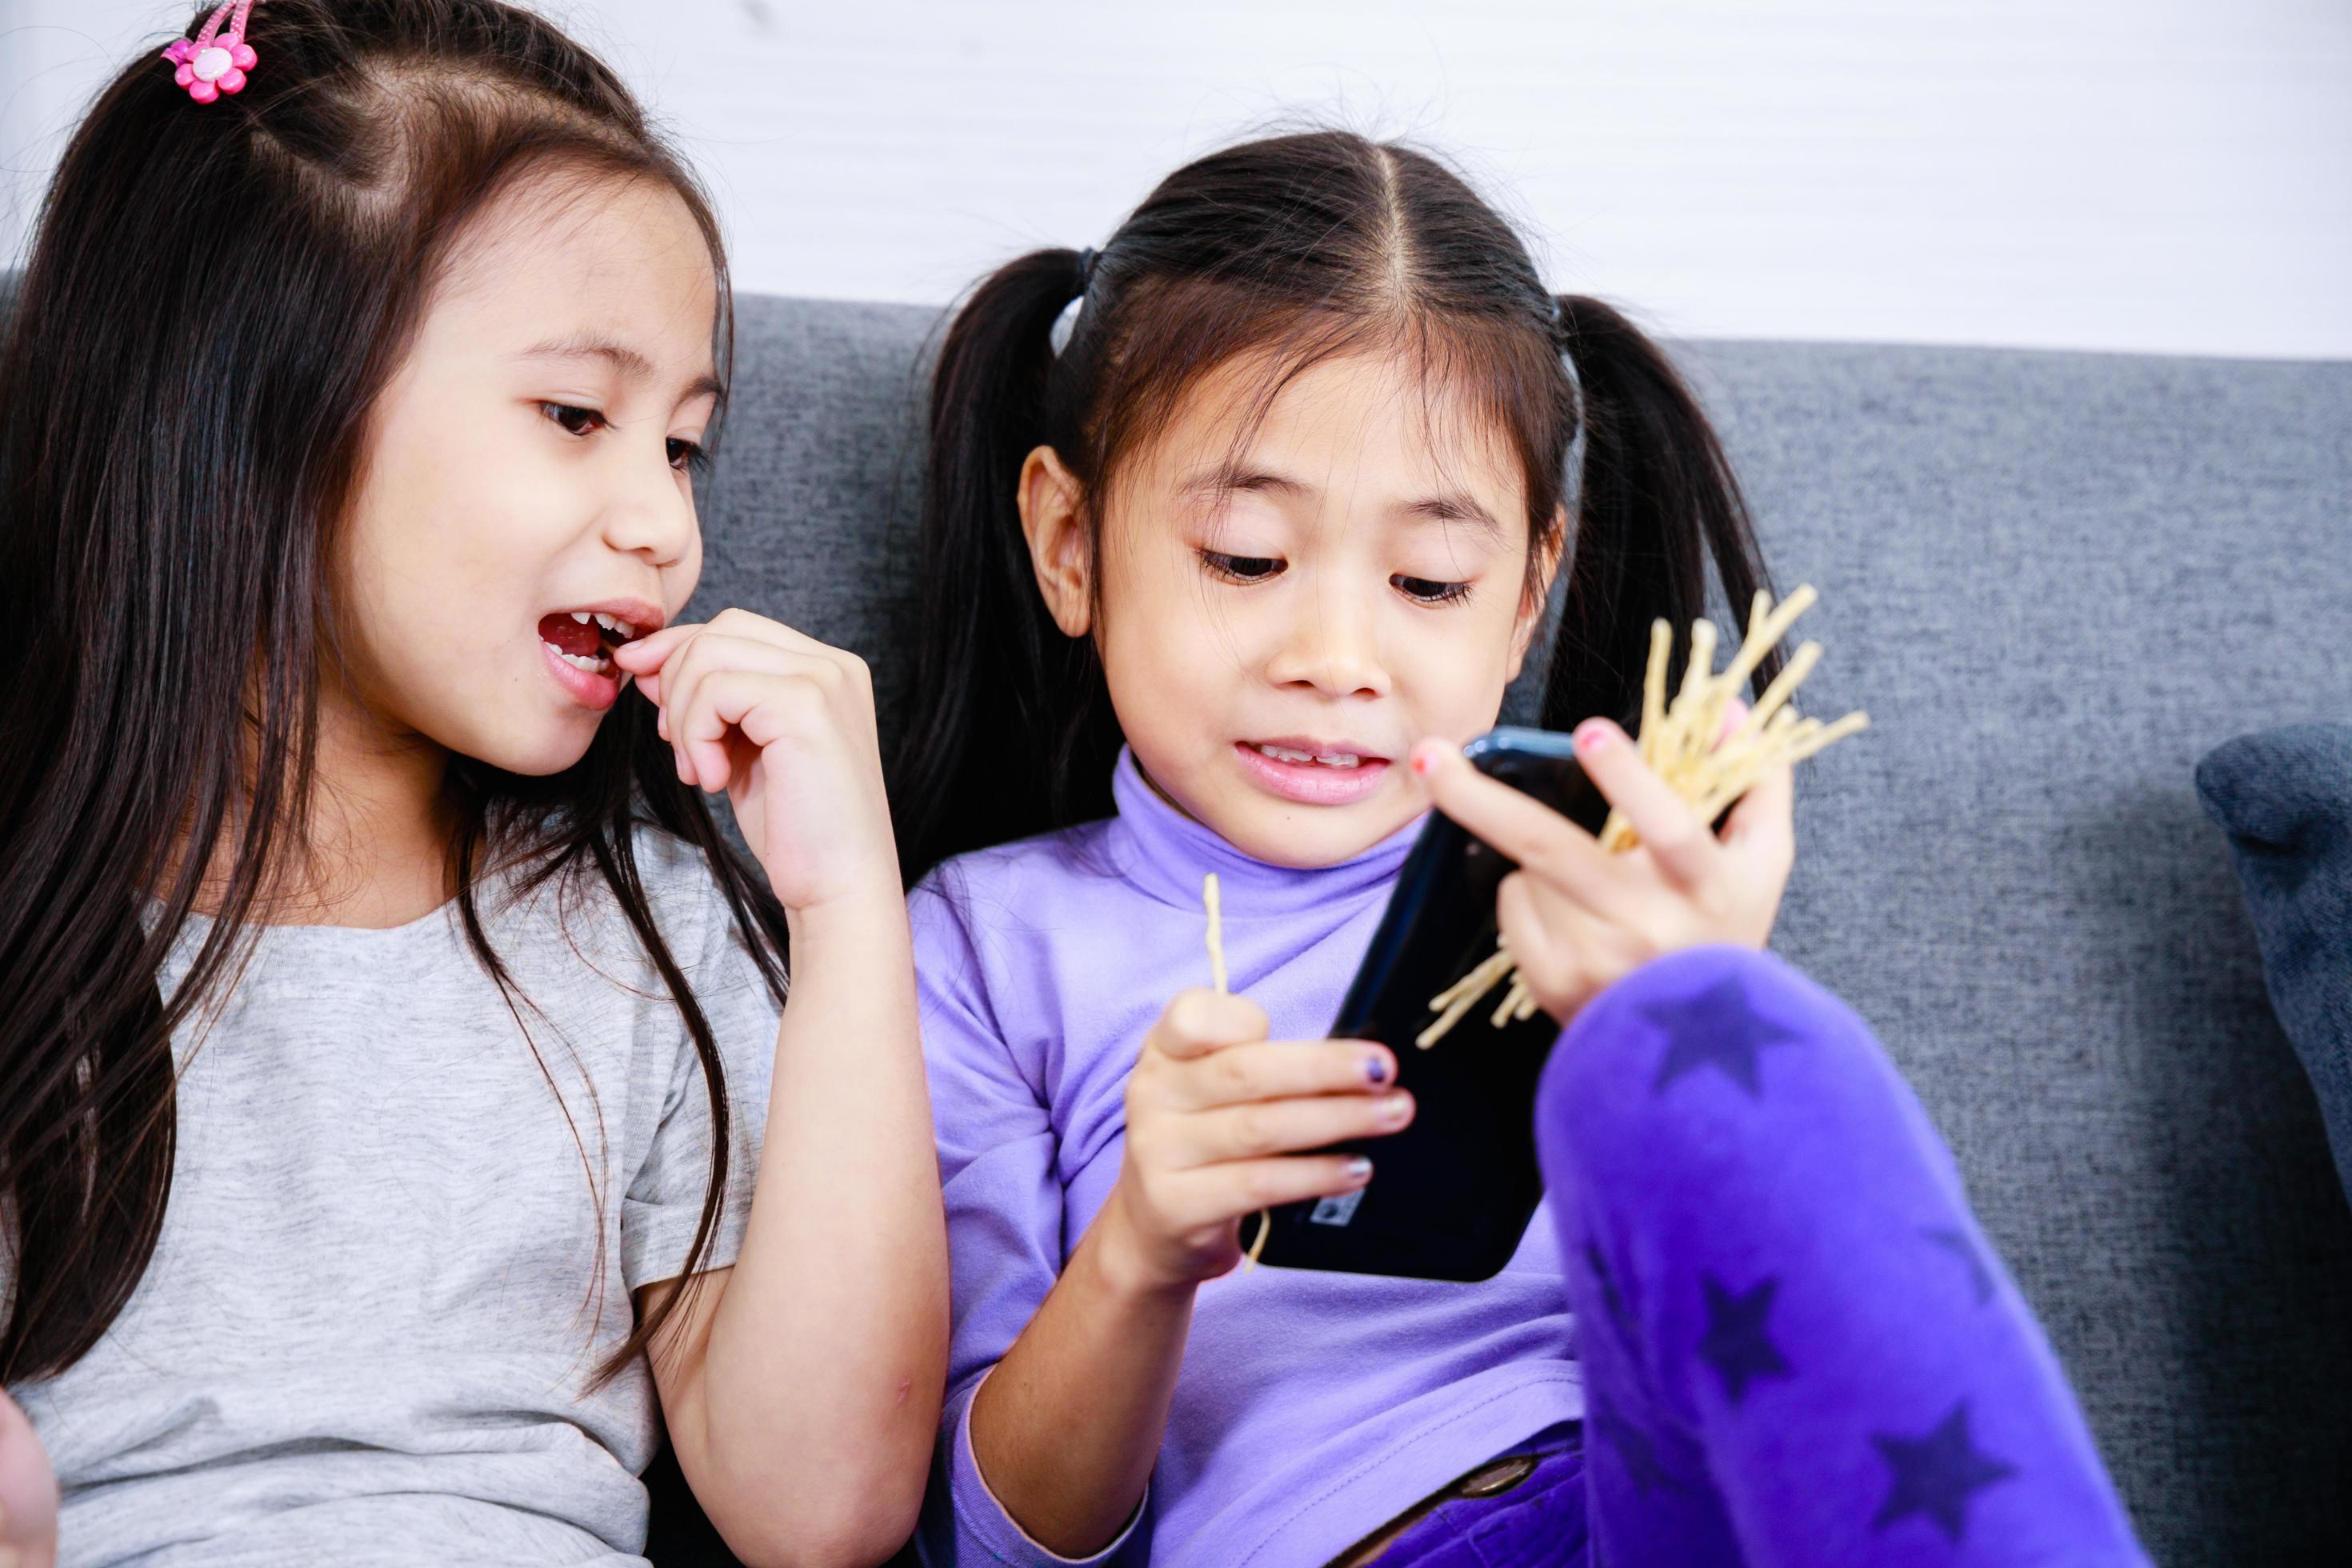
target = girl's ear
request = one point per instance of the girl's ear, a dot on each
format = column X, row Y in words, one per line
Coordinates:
column 1531, row 605
column 1052, row 518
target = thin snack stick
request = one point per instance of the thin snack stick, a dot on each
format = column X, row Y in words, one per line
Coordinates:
column 1216, row 932
column 1478, row 981
column 1654, row 689
column 1211, row 903
column 1784, row 685
column 1458, row 998
column 1853, row 723
column 1767, row 636
column 1515, row 1003
column 1703, row 733
column 1679, row 744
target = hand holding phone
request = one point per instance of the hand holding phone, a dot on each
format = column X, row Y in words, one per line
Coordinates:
column 1577, row 918
column 1512, row 852
column 1219, row 1124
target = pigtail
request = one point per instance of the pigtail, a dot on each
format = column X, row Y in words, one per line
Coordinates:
column 1012, row 725
column 1657, row 504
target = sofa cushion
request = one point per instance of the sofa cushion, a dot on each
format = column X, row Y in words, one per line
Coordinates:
column 2285, row 797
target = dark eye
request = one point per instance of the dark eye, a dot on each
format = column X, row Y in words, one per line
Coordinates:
column 687, row 456
column 574, row 419
column 1241, row 568
column 1428, row 591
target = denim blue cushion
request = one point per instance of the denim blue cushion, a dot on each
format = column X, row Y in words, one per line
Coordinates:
column 2285, row 797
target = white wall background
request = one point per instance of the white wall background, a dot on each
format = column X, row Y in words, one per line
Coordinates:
column 2170, row 176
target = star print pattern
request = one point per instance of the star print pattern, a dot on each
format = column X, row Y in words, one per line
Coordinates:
column 1736, row 1343
column 1719, row 1028
column 1936, row 1474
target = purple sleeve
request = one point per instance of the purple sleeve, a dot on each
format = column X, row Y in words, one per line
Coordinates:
column 1004, row 1196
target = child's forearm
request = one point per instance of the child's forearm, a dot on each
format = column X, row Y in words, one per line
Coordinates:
column 1100, row 1358
column 827, row 1354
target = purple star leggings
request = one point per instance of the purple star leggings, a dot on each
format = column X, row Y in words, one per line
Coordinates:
column 1799, row 1349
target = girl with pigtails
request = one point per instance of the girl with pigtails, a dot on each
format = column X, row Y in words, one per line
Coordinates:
column 389, row 1034
column 1235, row 531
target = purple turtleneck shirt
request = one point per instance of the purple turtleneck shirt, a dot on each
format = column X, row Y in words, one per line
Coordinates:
column 1311, row 1406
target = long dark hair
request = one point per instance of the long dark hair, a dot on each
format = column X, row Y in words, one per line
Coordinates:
column 216, row 296
column 1296, row 248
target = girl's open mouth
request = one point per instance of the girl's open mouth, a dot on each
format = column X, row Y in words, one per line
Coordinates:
column 1311, row 772
column 577, row 646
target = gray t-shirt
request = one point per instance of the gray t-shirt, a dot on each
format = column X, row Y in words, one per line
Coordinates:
column 368, row 1328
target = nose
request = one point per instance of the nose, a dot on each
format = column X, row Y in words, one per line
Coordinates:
column 649, row 509
column 1333, row 647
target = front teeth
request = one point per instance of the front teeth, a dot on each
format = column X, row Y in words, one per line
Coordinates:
column 1324, row 759
column 614, row 624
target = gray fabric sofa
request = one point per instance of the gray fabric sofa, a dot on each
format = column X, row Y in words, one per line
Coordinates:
column 2055, row 580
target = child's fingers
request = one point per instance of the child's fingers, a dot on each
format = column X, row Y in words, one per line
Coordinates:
column 716, row 681
column 742, row 623
column 1280, row 1070
column 1762, row 827
column 1282, row 1126
column 644, row 657
column 762, row 706
column 1677, row 841
column 1199, row 1021
column 1216, row 1194
column 1520, row 826
column 1545, row 960
column 1565, row 954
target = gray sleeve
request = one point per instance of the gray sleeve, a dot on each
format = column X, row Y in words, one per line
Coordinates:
column 664, row 1203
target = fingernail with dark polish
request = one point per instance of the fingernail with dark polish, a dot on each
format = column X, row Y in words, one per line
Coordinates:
column 1377, row 1068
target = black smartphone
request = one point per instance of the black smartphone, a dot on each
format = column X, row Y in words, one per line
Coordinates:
column 1451, row 1196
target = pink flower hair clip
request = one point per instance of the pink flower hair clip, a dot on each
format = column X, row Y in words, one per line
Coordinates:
column 215, row 62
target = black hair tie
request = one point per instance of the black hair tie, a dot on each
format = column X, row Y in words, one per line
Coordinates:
column 1087, row 259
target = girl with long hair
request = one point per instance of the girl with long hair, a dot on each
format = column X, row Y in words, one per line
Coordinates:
column 391, row 1034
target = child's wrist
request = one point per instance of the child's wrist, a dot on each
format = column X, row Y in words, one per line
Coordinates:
column 1123, row 1259
column 871, row 908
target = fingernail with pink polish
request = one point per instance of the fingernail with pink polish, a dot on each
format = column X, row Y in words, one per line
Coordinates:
column 1595, row 735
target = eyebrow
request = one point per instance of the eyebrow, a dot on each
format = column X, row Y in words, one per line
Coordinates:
column 629, row 362
column 1452, row 506
column 1236, row 478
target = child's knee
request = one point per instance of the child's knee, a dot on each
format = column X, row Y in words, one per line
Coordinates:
column 1686, row 1046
